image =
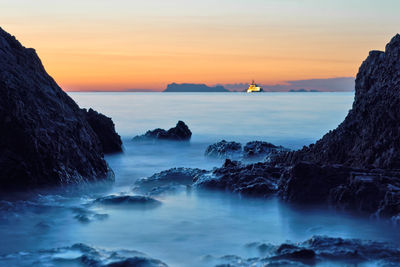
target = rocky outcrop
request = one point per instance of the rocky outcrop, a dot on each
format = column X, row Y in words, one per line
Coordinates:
column 104, row 128
column 369, row 135
column 180, row 132
column 224, row 149
column 252, row 151
column 259, row 179
column 46, row 139
column 320, row 250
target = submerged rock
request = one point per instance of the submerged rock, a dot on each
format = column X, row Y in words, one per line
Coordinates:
column 104, row 128
column 168, row 180
column 322, row 250
column 142, row 201
column 258, row 179
column 180, row 132
column 46, row 139
column 80, row 255
column 224, row 149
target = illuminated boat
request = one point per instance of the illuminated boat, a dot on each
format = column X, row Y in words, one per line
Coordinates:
column 254, row 88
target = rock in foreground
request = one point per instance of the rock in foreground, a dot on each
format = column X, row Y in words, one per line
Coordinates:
column 46, row 139
column 180, row 132
column 323, row 250
column 80, row 255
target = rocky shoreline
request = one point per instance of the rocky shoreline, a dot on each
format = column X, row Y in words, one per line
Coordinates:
column 354, row 167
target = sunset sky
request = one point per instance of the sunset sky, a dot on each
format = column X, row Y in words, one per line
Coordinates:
column 146, row 44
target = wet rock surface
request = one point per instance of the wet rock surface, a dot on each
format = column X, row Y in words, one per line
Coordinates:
column 319, row 250
column 180, row 132
column 104, row 128
column 252, row 151
column 224, row 149
column 81, row 255
column 46, row 140
column 258, row 179
column 168, row 181
column 259, row 149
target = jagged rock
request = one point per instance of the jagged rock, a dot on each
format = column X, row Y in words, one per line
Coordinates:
column 369, row 135
column 46, row 140
column 257, row 179
column 180, row 132
column 224, row 149
column 168, row 180
column 104, row 128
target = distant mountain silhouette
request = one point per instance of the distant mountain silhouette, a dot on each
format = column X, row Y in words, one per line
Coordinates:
column 192, row 87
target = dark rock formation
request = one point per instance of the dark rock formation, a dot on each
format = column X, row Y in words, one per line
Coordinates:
column 180, row 132
column 168, row 180
column 260, row 149
column 252, row 151
column 369, row 136
column 311, row 183
column 142, row 201
column 104, row 128
column 46, row 139
column 322, row 250
column 259, row 179
column 224, row 149
column 191, row 87
column 374, row 192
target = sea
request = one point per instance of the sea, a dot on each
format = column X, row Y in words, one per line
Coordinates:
column 190, row 228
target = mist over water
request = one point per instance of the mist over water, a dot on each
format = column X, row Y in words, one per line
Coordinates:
column 188, row 225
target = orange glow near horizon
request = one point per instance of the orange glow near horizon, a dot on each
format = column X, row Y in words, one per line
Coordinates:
column 98, row 45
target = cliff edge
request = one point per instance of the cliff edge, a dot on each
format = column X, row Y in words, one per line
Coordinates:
column 45, row 137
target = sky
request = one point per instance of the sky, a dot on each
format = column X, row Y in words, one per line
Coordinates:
column 147, row 44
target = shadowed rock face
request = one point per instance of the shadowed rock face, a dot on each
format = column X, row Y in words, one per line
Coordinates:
column 104, row 128
column 369, row 136
column 45, row 138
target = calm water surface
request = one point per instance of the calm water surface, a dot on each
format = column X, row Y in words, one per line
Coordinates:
column 189, row 225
